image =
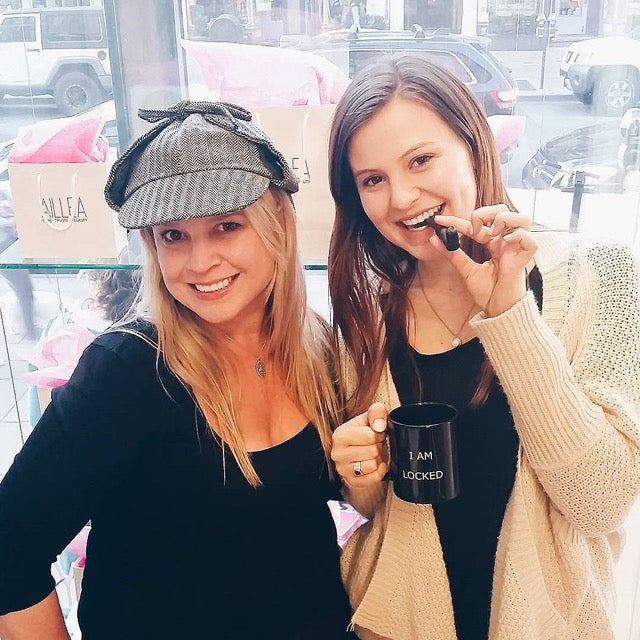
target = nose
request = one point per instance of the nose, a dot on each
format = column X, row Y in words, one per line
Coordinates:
column 404, row 192
column 204, row 255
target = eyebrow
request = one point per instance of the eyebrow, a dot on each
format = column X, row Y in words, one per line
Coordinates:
column 415, row 147
column 174, row 223
column 408, row 152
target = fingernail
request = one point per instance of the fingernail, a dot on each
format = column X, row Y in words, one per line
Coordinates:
column 379, row 425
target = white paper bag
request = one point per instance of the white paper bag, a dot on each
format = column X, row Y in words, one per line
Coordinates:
column 301, row 133
column 61, row 213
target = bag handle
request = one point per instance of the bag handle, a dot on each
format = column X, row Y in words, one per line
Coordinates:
column 57, row 226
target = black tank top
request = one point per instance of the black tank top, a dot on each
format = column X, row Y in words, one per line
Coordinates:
column 470, row 524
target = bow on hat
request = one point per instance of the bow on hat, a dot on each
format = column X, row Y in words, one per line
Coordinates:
column 228, row 116
column 181, row 110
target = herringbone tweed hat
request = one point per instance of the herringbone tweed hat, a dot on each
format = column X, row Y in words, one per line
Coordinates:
column 203, row 159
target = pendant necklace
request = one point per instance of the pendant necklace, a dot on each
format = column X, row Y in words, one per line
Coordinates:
column 260, row 367
column 455, row 340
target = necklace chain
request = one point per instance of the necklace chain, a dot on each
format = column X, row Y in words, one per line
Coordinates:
column 455, row 340
column 261, row 369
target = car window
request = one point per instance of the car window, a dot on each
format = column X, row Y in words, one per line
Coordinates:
column 362, row 57
column 73, row 27
column 18, row 29
column 452, row 63
column 481, row 72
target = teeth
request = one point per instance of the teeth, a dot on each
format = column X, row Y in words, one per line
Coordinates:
column 434, row 211
column 216, row 286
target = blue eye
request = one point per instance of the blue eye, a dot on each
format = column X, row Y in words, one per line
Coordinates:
column 171, row 235
column 229, row 226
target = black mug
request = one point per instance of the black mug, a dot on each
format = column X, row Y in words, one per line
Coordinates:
column 424, row 460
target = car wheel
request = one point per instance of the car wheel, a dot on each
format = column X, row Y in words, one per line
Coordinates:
column 614, row 92
column 75, row 91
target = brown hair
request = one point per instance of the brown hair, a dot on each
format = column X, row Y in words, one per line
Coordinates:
column 368, row 276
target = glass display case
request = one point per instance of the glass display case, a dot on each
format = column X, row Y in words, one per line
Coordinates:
column 562, row 100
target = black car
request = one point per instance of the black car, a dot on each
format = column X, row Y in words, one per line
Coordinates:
column 605, row 152
column 467, row 57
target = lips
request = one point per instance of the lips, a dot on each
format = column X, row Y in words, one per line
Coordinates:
column 424, row 218
column 219, row 285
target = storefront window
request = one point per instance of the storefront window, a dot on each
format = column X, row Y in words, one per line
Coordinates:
column 559, row 81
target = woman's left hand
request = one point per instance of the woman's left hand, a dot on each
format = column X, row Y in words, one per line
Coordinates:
column 496, row 285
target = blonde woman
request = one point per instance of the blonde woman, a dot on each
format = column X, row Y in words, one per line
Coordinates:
column 195, row 438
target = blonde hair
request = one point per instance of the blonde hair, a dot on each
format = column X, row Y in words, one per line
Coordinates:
column 297, row 337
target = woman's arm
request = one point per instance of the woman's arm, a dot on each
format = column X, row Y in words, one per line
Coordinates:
column 577, row 407
column 42, row 621
column 94, row 430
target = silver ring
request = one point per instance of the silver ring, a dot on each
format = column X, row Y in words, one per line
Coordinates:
column 357, row 468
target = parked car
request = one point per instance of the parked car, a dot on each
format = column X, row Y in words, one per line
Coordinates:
column 61, row 52
column 467, row 57
column 604, row 72
column 607, row 152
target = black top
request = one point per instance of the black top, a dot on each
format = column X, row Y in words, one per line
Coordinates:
column 175, row 551
column 468, row 525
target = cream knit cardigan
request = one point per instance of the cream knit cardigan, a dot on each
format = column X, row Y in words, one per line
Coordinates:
column 572, row 379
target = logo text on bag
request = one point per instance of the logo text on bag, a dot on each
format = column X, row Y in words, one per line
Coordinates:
column 66, row 209
column 301, row 169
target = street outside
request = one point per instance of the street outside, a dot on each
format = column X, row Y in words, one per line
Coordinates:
column 549, row 112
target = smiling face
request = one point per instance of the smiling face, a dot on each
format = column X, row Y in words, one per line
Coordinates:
column 408, row 165
column 218, row 267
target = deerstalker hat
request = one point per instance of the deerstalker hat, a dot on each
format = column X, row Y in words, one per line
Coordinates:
column 202, row 159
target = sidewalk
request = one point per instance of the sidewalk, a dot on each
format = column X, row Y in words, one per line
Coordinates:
column 526, row 68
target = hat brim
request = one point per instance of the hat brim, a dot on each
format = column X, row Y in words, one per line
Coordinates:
column 214, row 192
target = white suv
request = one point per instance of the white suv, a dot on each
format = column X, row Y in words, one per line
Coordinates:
column 605, row 72
column 61, row 52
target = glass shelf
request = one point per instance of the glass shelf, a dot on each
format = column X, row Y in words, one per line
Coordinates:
column 130, row 258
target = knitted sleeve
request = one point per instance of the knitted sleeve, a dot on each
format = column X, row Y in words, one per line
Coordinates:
column 575, row 395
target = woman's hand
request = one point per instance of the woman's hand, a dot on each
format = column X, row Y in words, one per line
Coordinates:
column 360, row 445
column 496, row 285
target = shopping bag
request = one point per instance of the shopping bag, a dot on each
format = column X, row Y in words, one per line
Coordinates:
column 302, row 135
column 61, row 213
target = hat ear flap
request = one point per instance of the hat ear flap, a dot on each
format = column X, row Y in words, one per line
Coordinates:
column 273, row 162
column 117, row 183
column 116, row 187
